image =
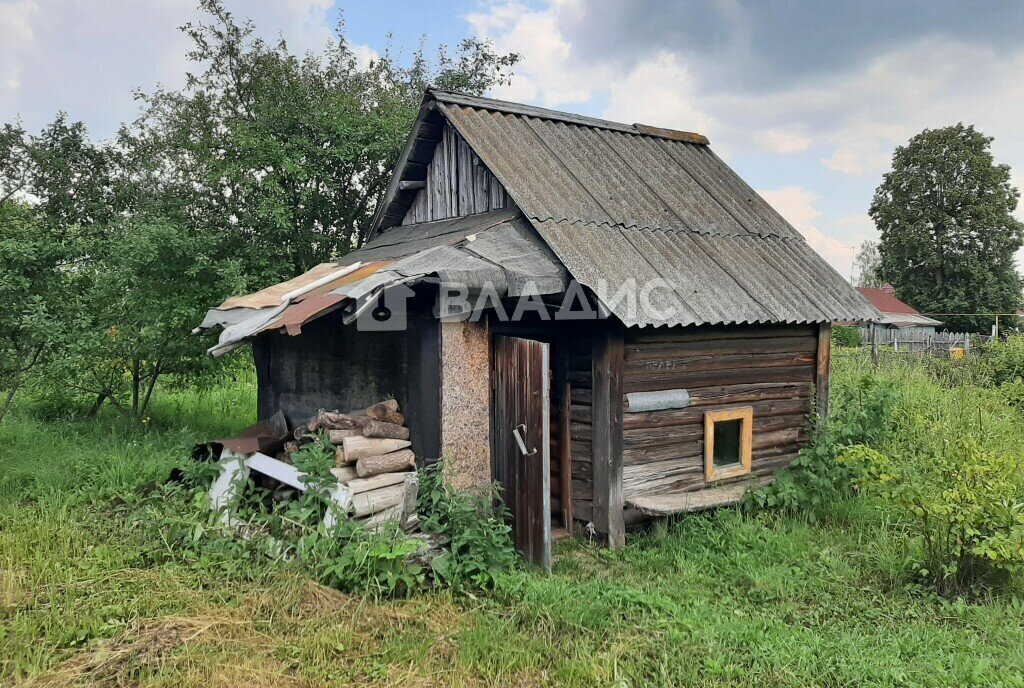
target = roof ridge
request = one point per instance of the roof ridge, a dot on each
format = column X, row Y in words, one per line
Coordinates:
column 506, row 106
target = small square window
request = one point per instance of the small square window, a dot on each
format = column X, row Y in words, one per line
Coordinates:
column 727, row 440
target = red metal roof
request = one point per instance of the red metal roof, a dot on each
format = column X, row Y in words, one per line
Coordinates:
column 885, row 302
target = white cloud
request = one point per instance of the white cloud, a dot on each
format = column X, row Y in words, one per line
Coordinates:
column 783, row 142
column 641, row 96
column 548, row 75
column 862, row 225
column 86, row 57
column 856, row 116
column 800, row 207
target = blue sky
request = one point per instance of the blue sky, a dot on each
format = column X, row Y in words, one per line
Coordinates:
column 806, row 99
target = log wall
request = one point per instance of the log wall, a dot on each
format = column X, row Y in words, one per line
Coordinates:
column 771, row 368
column 580, row 409
column 457, row 184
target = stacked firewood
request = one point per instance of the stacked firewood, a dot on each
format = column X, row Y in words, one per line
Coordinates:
column 372, row 456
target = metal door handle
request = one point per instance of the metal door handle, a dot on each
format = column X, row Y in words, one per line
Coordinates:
column 520, row 441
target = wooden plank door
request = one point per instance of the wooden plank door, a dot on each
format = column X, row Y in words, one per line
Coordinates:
column 522, row 458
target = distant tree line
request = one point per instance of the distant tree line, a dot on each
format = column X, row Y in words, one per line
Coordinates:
column 264, row 164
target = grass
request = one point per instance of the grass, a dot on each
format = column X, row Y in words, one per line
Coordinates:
column 718, row 600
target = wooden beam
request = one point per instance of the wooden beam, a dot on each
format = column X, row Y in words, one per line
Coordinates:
column 410, row 185
column 821, row 370
column 607, row 354
column 565, row 434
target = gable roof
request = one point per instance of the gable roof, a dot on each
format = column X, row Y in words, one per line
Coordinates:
column 617, row 202
column 892, row 311
column 885, row 302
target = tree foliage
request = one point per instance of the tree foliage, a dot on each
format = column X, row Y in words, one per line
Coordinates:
column 33, row 294
column 289, row 155
column 948, row 236
column 868, row 264
column 264, row 164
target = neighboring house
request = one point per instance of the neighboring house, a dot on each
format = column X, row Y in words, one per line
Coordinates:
column 894, row 314
column 672, row 406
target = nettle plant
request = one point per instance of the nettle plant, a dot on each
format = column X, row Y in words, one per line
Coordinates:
column 967, row 502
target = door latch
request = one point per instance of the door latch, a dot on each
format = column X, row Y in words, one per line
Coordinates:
column 519, row 439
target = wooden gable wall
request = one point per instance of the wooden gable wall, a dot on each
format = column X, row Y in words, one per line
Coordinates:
column 457, row 184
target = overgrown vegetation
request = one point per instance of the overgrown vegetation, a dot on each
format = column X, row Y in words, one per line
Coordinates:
column 99, row 584
column 936, row 443
column 471, row 548
column 846, row 336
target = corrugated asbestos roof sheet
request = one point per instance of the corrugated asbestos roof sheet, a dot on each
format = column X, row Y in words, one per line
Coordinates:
column 618, row 201
column 706, row 279
column 499, row 249
column 560, row 171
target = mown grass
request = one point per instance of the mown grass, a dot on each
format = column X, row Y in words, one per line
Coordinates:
column 717, row 600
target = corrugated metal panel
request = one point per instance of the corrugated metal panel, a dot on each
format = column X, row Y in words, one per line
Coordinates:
column 715, row 279
column 498, row 249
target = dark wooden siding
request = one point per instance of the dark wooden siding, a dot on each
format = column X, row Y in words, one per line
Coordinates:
column 457, row 184
column 580, row 398
column 335, row 366
column 771, row 368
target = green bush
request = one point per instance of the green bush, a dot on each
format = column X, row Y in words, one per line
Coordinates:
column 967, row 503
column 479, row 545
column 859, row 415
column 846, row 336
column 1003, row 361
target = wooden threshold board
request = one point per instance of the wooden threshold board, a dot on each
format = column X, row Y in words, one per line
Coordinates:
column 559, row 534
column 669, row 503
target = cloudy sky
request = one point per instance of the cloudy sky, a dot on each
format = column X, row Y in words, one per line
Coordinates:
column 806, row 99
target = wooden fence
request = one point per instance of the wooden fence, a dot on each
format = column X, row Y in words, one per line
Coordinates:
column 921, row 341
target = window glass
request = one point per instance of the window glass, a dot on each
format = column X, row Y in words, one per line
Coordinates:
column 727, row 442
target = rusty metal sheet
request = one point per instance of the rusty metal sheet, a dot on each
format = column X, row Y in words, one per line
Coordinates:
column 298, row 315
column 271, row 296
column 267, row 437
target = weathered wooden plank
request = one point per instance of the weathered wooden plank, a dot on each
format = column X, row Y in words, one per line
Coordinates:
column 703, row 333
column 580, row 414
column 456, row 182
column 638, row 351
column 581, row 396
column 659, row 380
column 697, row 500
column 641, row 438
column 565, row 444
column 678, row 365
column 694, row 446
column 607, row 433
column 669, row 420
column 722, row 396
column 821, row 370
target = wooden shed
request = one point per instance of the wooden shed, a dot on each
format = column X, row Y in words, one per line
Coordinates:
column 603, row 317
